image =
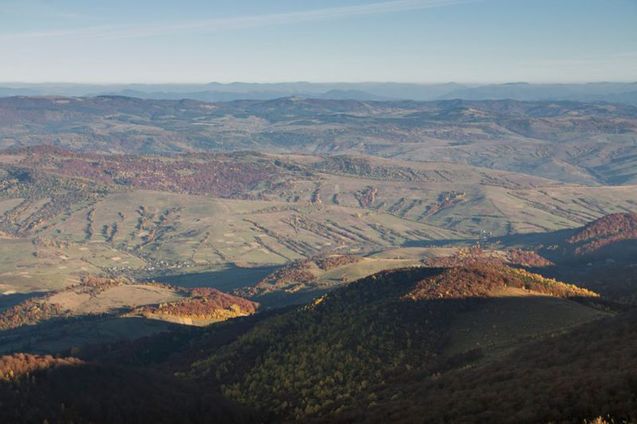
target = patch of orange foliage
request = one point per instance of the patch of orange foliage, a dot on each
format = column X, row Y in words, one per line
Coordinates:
column 203, row 304
column 19, row 364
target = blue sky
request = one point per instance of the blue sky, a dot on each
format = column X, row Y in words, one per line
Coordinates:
column 351, row 40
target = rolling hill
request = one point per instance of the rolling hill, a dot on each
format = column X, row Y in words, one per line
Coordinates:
column 375, row 349
column 158, row 216
column 304, row 280
column 587, row 143
column 601, row 255
column 101, row 309
column 378, row 328
column 548, row 381
column 598, row 237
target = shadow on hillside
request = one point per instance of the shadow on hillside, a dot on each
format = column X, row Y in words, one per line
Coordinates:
column 513, row 240
column 533, row 239
column 113, row 394
column 59, row 335
column 614, row 281
column 9, row 300
column 585, row 373
column 438, row 243
column 226, row 279
column 371, row 315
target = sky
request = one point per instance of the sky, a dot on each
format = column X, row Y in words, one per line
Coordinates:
column 422, row 41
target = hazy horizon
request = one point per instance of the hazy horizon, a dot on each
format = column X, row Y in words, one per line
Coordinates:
column 335, row 82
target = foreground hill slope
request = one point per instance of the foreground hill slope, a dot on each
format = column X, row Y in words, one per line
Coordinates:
column 374, row 330
column 341, row 357
column 39, row 389
column 587, row 373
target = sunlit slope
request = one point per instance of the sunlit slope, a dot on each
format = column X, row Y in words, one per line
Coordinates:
column 304, row 280
column 101, row 310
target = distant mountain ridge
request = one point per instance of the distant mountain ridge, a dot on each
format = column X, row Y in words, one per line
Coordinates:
column 614, row 92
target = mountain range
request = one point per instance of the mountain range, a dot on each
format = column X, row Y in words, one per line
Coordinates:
column 613, row 92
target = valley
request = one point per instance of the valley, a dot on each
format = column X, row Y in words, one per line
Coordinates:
column 145, row 216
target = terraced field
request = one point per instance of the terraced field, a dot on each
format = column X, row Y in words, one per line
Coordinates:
column 85, row 214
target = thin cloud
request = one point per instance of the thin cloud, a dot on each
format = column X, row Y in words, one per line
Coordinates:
column 97, row 31
column 240, row 22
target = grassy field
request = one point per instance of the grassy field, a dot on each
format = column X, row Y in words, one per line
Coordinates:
column 222, row 230
column 35, row 265
column 145, row 233
column 513, row 317
column 178, row 231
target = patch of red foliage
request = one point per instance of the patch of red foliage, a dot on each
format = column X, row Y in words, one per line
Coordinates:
column 605, row 231
column 473, row 255
column 527, row 258
column 93, row 285
column 296, row 275
column 327, row 263
column 484, row 279
column 223, row 175
column 477, row 256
